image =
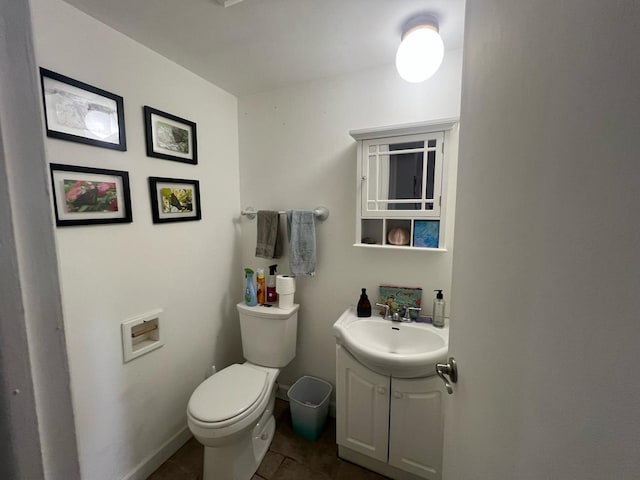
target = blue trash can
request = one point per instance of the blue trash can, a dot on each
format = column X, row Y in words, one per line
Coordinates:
column 309, row 405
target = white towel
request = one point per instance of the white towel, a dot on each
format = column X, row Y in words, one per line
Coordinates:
column 302, row 242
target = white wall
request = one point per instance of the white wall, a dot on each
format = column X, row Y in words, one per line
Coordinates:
column 126, row 412
column 296, row 152
column 37, row 434
column 546, row 273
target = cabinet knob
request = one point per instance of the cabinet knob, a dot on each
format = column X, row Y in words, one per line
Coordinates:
column 382, row 390
column 397, row 395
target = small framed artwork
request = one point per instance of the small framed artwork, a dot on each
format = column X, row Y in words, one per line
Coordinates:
column 426, row 233
column 400, row 297
column 90, row 196
column 79, row 112
column 174, row 199
column 170, row 137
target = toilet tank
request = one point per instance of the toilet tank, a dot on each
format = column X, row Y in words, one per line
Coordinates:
column 268, row 334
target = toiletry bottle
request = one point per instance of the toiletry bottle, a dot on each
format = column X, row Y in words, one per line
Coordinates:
column 272, row 296
column 261, row 290
column 250, row 297
column 438, row 310
column 364, row 306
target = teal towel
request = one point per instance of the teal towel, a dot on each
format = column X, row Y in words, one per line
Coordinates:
column 302, row 242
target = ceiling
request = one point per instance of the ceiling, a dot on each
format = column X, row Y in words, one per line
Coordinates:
column 261, row 45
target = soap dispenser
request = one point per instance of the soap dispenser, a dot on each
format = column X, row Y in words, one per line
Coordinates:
column 364, row 305
column 250, row 297
column 438, row 310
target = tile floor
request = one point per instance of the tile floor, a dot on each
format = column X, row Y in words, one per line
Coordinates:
column 289, row 458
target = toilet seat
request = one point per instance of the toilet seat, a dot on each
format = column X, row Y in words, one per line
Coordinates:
column 228, row 396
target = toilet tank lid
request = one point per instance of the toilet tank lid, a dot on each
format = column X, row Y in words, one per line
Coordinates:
column 227, row 394
column 267, row 312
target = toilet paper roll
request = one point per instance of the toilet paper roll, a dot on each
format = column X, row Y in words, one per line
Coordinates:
column 285, row 284
column 285, row 301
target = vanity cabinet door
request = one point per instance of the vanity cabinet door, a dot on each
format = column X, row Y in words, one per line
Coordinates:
column 416, row 426
column 362, row 407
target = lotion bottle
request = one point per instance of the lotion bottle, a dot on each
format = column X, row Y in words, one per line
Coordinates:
column 438, row 310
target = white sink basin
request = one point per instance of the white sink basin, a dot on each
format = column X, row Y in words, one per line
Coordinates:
column 401, row 350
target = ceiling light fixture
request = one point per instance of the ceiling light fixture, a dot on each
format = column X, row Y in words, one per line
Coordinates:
column 421, row 51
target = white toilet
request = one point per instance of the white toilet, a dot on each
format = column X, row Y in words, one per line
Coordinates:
column 231, row 412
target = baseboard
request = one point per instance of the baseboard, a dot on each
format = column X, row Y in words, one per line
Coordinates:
column 281, row 393
column 153, row 461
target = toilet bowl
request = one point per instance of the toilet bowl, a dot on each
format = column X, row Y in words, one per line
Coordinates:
column 231, row 412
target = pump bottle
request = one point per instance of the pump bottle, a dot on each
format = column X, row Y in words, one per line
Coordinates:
column 364, row 305
column 438, row 310
column 250, row 297
column 272, row 296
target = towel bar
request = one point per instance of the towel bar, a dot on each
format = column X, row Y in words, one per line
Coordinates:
column 321, row 213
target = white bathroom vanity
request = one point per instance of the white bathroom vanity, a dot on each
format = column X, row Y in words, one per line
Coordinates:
column 389, row 401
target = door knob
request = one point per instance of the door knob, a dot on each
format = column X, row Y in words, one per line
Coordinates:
column 450, row 370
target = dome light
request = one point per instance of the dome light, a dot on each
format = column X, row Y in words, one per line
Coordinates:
column 421, row 51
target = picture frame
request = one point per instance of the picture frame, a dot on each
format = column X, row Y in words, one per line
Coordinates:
column 90, row 196
column 399, row 298
column 78, row 112
column 170, row 137
column 426, row 233
column 174, row 199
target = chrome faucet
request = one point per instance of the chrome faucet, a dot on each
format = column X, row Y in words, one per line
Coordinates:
column 387, row 312
column 407, row 313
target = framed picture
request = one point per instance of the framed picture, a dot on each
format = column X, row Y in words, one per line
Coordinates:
column 81, row 113
column 174, row 199
column 426, row 233
column 90, row 196
column 170, row 137
column 399, row 297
